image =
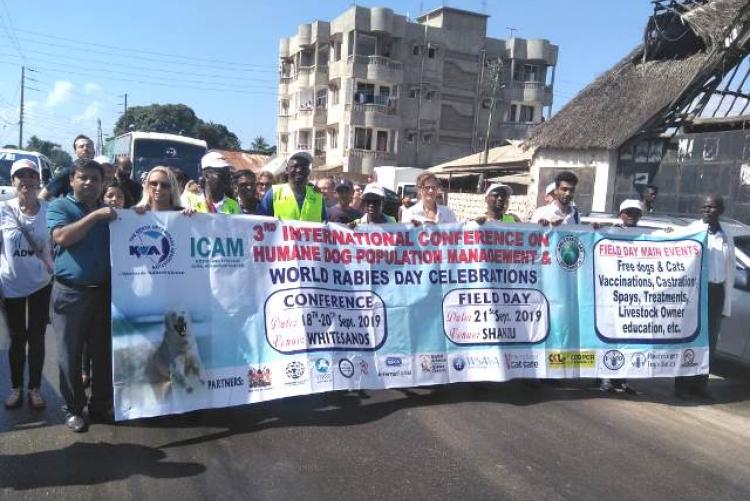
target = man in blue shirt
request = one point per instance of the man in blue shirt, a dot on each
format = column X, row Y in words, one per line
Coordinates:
column 81, row 294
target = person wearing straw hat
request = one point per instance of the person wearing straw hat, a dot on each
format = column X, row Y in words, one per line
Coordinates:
column 26, row 275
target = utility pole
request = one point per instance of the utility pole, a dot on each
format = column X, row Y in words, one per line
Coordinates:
column 423, row 49
column 124, row 104
column 20, row 112
column 497, row 69
column 99, row 137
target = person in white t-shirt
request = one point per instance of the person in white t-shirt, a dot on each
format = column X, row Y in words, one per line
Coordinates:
column 561, row 210
column 427, row 210
column 26, row 274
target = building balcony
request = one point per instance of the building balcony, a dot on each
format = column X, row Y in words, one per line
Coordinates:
column 375, row 68
column 515, row 130
column 375, row 115
column 529, row 91
column 311, row 75
column 282, row 123
column 362, row 153
column 364, row 161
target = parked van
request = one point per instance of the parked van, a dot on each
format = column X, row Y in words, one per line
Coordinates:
column 10, row 155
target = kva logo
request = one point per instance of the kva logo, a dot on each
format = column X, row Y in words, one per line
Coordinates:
column 153, row 244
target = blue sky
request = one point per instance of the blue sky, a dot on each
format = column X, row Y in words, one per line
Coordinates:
column 220, row 57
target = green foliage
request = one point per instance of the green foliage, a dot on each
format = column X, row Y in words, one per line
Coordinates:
column 57, row 156
column 260, row 145
column 176, row 119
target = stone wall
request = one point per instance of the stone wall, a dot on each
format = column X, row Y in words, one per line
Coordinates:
column 470, row 205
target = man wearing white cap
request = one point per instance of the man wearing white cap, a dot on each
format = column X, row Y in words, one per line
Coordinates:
column 372, row 202
column 631, row 211
column 215, row 182
column 295, row 200
column 497, row 197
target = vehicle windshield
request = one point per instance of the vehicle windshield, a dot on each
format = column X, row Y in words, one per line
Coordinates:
column 6, row 161
column 743, row 244
column 148, row 153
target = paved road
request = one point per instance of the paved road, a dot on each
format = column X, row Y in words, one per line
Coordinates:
column 501, row 441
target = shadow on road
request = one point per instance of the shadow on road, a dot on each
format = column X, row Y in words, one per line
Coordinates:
column 355, row 408
column 103, row 463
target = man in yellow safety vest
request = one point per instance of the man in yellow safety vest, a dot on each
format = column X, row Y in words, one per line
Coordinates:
column 296, row 200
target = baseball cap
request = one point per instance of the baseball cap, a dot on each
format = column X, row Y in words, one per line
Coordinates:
column 302, row 154
column 373, row 190
column 102, row 159
column 501, row 187
column 21, row 165
column 214, row 160
column 631, row 203
column 550, row 188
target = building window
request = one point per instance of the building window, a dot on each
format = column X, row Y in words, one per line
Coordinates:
column 431, row 51
column 415, row 50
column 333, row 139
column 410, row 136
column 362, row 138
column 427, row 138
column 321, row 99
column 527, row 114
column 486, row 102
column 414, row 93
column 381, row 142
column 337, row 51
column 429, row 95
column 334, row 96
column 512, row 113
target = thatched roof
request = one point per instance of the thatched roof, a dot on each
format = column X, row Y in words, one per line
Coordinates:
column 628, row 98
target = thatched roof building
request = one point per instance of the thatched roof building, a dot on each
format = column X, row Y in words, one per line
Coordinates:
column 637, row 96
column 691, row 65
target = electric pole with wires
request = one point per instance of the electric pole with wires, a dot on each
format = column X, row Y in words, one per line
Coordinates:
column 495, row 72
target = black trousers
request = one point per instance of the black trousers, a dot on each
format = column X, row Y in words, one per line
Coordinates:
column 27, row 322
column 715, row 307
column 82, row 315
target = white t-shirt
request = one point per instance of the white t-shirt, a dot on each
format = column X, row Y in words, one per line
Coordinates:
column 552, row 212
column 416, row 212
column 22, row 273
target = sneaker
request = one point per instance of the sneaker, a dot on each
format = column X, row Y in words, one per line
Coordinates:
column 35, row 399
column 15, row 399
column 75, row 423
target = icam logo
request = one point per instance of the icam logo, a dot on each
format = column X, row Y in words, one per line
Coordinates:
column 152, row 243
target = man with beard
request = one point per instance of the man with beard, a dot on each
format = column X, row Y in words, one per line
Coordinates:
column 296, row 200
column 561, row 210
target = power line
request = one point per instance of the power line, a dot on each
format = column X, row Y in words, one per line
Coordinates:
column 130, row 50
column 80, row 70
column 142, row 68
column 9, row 30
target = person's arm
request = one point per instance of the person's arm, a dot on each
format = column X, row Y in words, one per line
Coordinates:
column 71, row 234
column 265, row 206
column 730, row 267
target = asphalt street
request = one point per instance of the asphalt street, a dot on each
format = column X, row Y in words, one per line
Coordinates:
column 490, row 441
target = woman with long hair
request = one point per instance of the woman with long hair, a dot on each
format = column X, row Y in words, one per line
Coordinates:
column 160, row 191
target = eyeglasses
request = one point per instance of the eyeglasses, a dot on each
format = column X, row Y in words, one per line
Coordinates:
column 157, row 184
column 431, row 188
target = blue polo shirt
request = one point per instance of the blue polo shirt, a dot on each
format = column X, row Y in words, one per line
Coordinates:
column 87, row 261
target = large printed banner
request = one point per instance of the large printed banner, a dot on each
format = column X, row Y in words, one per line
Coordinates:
column 214, row 311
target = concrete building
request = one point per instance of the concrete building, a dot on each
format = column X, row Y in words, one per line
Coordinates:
column 373, row 88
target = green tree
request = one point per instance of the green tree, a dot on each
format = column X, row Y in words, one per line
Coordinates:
column 11, row 146
column 217, row 136
column 260, row 145
column 176, row 119
column 57, row 156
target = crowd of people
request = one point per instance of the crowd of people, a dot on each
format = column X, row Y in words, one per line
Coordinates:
column 55, row 242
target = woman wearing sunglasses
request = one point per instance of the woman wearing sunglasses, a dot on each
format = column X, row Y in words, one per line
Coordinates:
column 160, row 192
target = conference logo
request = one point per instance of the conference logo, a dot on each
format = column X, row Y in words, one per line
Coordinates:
column 346, row 368
column 321, row 371
column 295, row 370
column 638, row 360
column 688, row 358
column 259, row 377
column 570, row 253
column 614, row 360
column 152, row 244
column 459, row 363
